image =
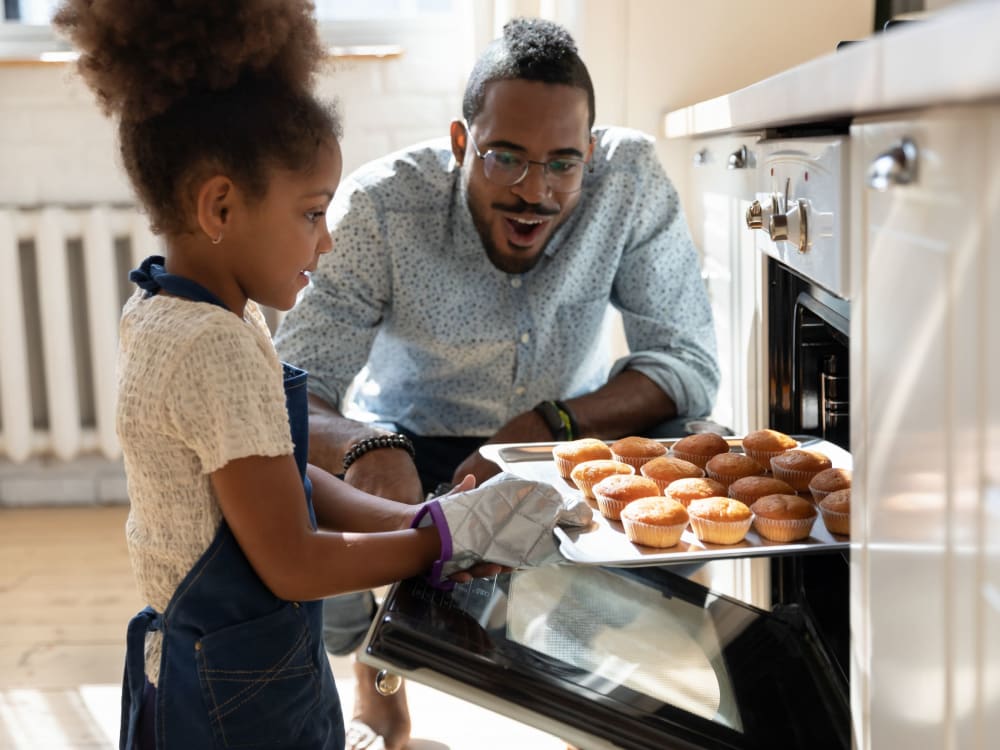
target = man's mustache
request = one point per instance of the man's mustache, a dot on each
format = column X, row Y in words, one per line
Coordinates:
column 523, row 207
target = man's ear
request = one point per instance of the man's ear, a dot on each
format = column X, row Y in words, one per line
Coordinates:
column 213, row 205
column 459, row 140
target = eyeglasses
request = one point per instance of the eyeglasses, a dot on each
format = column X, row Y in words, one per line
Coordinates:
column 507, row 168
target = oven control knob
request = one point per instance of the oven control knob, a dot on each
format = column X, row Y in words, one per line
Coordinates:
column 759, row 214
column 791, row 226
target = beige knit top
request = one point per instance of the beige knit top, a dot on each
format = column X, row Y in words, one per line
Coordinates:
column 197, row 387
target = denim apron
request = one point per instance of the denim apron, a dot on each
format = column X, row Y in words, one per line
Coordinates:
column 240, row 667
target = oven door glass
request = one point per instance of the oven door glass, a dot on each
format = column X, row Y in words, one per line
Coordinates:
column 614, row 657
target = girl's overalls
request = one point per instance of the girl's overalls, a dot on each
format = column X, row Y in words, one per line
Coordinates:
column 240, row 667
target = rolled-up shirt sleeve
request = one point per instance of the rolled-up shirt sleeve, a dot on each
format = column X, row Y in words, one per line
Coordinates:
column 662, row 299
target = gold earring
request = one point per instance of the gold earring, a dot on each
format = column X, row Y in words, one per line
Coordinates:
column 218, row 239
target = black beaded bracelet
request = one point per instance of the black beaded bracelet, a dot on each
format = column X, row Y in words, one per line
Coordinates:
column 360, row 448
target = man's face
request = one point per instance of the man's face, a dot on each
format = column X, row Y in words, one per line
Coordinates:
column 537, row 121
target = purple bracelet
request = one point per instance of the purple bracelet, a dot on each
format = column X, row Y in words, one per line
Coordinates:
column 434, row 575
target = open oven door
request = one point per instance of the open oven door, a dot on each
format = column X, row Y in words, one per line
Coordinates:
column 632, row 658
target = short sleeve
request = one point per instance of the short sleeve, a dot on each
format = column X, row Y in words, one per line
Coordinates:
column 226, row 399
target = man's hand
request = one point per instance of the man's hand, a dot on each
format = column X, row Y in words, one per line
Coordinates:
column 528, row 427
column 387, row 472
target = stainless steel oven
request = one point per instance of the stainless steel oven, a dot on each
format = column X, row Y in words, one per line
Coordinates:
column 640, row 653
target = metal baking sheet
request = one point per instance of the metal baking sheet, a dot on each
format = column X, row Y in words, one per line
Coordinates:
column 604, row 541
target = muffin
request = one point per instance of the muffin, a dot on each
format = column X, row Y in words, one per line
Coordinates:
column 749, row 489
column 835, row 509
column 719, row 520
column 568, row 454
column 636, row 451
column 799, row 466
column 589, row 473
column 694, row 488
column 613, row 493
column 829, row 480
column 783, row 518
column 699, row 448
column 763, row 445
column 666, row 469
column 654, row 521
column 728, row 467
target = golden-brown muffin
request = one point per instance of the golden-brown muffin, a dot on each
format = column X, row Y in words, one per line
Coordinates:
column 636, row 450
column 836, row 511
column 700, row 447
column 763, row 445
column 666, row 469
column 728, row 467
column 654, row 521
column 783, row 518
column 798, row 466
column 829, row 480
column 589, row 473
column 568, row 454
column 749, row 489
column 694, row 488
column 613, row 493
column 719, row 520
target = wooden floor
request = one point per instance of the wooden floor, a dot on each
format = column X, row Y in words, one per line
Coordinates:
column 66, row 594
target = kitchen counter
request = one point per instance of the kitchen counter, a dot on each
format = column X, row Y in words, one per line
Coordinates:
column 951, row 57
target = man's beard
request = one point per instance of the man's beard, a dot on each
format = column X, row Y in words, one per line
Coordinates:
column 506, row 262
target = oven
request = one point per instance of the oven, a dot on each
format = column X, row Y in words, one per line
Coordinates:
column 646, row 653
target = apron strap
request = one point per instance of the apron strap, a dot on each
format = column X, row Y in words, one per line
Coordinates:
column 134, row 680
column 152, row 277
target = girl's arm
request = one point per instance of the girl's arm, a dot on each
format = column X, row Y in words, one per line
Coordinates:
column 263, row 502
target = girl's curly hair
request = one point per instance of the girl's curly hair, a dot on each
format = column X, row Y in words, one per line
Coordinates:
column 195, row 86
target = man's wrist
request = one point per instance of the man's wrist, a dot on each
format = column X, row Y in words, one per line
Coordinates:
column 392, row 440
column 560, row 420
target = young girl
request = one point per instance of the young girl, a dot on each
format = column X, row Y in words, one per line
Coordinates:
column 235, row 162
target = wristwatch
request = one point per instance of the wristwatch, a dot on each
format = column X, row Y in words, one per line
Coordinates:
column 559, row 419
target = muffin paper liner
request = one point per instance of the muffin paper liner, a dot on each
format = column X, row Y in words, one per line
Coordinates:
column 653, row 535
column 690, row 457
column 610, row 508
column 633, row 461
column 836, row 523
column 764, row 457
column 799, row 480
column 784, row 530
column 720, row 532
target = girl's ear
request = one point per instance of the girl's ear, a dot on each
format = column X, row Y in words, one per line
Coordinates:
column 213, row 203
column 458, row 140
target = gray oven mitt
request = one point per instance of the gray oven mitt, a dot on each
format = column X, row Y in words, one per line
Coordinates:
column 507, row 520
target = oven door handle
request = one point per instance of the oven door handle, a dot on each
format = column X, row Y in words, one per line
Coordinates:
column 897, row 166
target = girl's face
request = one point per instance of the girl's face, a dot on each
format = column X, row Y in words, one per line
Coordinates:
column 279, row 241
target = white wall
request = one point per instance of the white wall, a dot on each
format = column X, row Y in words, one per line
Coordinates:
column 646, row 57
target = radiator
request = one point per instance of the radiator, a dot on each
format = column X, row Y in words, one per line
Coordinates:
column 63, row 281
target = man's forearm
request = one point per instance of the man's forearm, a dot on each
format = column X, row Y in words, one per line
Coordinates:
column 628, row 404
column 331, row 435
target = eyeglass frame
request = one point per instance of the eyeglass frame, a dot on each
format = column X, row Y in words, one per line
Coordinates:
column 588, row 166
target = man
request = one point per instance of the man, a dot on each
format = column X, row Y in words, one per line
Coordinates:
column 470, row 279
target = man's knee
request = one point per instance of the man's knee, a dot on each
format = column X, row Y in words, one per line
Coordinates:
column 346, row 619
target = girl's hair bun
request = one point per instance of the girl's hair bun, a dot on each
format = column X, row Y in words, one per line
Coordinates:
column 142, row 56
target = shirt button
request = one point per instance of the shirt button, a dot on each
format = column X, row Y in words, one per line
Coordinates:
column 519, row 391
column 516, row 283
column 525, row 338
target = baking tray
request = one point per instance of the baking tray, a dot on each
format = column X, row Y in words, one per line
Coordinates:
column 604, row 541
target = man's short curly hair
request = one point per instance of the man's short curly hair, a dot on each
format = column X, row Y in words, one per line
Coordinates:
column 531, row 49
column 197, row 87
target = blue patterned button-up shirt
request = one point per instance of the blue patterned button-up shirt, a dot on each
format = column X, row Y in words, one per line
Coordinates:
column 451, row 346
